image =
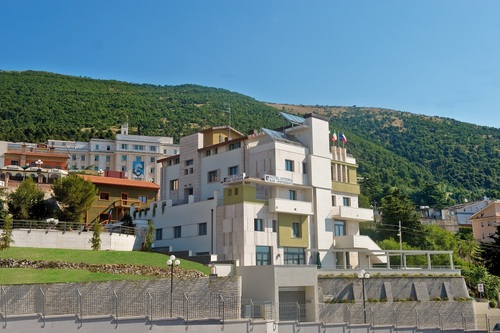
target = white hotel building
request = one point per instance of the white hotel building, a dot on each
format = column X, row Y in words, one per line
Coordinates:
column 268, row 198
column 134, row 156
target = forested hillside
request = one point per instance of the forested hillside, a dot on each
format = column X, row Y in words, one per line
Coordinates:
column 35, row 106
column 393, row 148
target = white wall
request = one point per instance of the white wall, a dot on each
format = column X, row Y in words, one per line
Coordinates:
column 57, row 239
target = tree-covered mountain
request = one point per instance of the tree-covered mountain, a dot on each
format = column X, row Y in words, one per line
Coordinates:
column 393, row 148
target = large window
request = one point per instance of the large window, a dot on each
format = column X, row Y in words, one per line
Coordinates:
column 295, row 230
column 213, row 176
column 233, row 170
column 174, row 184
column 289, row 165
column 292, row 195
column 177, row 232
column 258, row 225
column 294, row 256
column 339, row 228
column 104, row 196
column 262, row 255
column 234, row 145
column 346, row 201
column 143, row 198
column 138, row 147
column 202, row 228
column 159, row 234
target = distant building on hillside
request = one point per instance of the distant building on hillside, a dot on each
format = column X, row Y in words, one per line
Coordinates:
column 485, row 222
column 116, row 196
column 134, row 155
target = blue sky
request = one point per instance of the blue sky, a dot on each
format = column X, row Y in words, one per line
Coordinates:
column 432, row 57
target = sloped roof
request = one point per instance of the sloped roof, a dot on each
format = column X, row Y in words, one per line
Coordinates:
column 282, row 137
column 120, row 182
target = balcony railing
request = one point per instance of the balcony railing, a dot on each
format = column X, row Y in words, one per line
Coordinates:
column 278, row 205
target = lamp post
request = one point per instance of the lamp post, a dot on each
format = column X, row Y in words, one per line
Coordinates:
column 39, row 168
column 363, row 276
column 172, row 262
column 100, row 172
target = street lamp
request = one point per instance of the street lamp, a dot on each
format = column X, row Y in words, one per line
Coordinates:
column 363, row 276
column 172, row 262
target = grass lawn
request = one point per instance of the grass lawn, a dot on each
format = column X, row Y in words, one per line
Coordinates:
column 26, row 275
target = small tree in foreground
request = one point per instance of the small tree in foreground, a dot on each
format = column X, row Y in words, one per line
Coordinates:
column 149, row 239
column 96, row 236
column 6, row 237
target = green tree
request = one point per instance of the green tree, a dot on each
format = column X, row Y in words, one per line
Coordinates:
column 96, row 236
column 27, row 201
column 490, row 252
column 6, row 237
column 398, row 207
column 150, row 234
column 75, row 195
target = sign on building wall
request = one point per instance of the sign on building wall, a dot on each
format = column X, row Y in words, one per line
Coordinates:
column 234, row 178
column 138, row 168
column 278, row 180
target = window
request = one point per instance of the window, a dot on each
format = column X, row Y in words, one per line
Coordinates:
column 213, row 176
column 177, row 232
column 232, row 170
column 236, row 191
column 108, row 158
column 174, row 184
column 152, row 148
column 124, row 157
column 189, row 162
column 159, row 234
column 208, row 153
column 108, row 147
column 96, row 147
column 234, row 145
column 304, row 168
column 73, row 157
column 175, row 151
column 202, row 228
column 143, row 198
column 275, row 226
column 229, row 192
column 294, row 256
column 138, row 158
column 164, row 152
column 138, row 147
column 295, row 230
column 339, row 228
column 104, row 196
column 333, row 200
column 292, row 195
column 186, row 171
column 96, row 158
column 124, row 146
column 152, row 159
column 346, row 201
column 288, row 165
column 262, row 255
column 124, row 168
column 216, row 151
column 82, row 158
column 258, row 225
column 151, row 170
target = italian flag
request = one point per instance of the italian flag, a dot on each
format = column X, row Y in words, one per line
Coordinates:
column 334, row 136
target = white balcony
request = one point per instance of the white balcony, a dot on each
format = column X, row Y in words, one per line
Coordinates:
column 278, row 205
column 361, row 242
column 352, row 213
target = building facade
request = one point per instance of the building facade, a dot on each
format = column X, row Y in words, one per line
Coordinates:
column 115, row 196
column 485, row 222
column 135, row 156
column 267, row 198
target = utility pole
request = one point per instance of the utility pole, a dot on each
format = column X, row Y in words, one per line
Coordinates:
column 400, row 234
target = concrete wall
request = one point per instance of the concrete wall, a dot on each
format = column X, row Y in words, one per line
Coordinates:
column 58, row 239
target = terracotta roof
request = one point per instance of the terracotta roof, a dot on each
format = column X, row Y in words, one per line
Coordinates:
column 123, row 182
column 37, row 153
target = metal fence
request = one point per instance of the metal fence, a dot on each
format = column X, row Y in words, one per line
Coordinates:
column 25, row 300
